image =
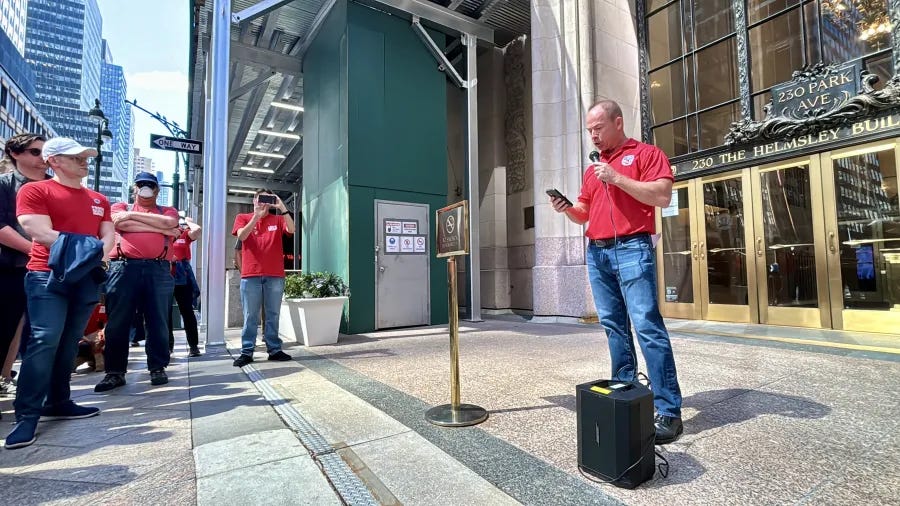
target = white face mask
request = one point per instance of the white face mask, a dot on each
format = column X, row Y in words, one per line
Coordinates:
column 145, row 192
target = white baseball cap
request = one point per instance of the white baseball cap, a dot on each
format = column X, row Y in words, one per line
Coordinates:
column 65, row 146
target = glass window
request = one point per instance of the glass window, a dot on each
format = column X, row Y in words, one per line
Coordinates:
column 761, row 9
column 676, row 243
column 881, row 67
column 667, row 95
column 671, row 138
column 759, row 104
column 652, row 5
column 717, row 74
column 664, row 35
column 713, row 19
column 715, row 124
column 776, row 50
column 726, row 251
column 854, row 31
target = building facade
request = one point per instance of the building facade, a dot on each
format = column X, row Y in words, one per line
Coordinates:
column 64, row 49
column 12, row 22
column 781, row 123
column 113, row 92
column 18, row 113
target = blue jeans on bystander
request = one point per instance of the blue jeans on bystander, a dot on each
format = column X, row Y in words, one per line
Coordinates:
column 255, row 292
column 57, row 324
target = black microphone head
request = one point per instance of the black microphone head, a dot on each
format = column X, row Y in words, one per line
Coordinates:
column 594, row 156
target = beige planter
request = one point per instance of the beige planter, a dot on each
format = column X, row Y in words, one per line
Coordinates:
column 313, row 322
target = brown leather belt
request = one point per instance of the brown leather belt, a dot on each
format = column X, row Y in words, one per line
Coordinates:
column 605, row 243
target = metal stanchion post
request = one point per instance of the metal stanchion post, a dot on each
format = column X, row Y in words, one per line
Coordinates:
column 454, row 414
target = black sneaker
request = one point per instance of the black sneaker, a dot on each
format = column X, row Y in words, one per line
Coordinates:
column 243, row 360
column 280, row 356
column 109, row 382
column 158, row 377
column 67, row 411
column 195, row 352
column 668, row 429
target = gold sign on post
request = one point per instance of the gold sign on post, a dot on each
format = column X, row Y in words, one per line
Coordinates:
column 453, row 240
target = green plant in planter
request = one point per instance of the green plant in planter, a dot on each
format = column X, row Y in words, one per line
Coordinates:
column 314, row 285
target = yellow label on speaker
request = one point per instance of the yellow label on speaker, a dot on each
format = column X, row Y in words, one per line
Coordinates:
column 601, row 390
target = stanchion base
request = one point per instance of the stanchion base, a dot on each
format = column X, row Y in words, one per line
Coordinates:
column 464, row 415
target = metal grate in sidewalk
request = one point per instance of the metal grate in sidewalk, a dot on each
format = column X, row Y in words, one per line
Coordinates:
column 349, row 486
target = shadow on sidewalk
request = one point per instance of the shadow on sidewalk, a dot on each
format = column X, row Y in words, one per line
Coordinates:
column 718, row 408
column 27, row 487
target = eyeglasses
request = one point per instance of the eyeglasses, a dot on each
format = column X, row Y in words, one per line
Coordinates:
column 145, row 184
column 32, row 151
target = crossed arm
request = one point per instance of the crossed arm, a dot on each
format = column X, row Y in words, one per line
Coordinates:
column 40, row 228
column 131, row 221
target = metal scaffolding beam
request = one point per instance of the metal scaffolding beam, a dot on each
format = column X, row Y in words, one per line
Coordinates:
column 258, row 9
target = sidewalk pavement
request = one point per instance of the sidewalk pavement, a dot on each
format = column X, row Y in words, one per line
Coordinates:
column 772, row 415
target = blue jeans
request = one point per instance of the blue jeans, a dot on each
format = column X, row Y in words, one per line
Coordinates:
column 255, row 292
column 627, row 272
column 57, row 323
column 137, row 285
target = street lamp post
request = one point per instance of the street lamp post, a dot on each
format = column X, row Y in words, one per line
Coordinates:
column 103, row 134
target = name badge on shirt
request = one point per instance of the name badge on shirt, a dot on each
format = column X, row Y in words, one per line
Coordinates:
column 273, row 228
column 97, row 210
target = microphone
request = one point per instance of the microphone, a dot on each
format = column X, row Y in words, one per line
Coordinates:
column 594, row 156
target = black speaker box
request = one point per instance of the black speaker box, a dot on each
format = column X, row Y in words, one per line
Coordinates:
column 616, row 434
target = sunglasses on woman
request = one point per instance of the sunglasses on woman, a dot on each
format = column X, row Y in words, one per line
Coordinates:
column 32, row 151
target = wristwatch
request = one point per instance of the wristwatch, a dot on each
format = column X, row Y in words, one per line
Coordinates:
column 286, row 211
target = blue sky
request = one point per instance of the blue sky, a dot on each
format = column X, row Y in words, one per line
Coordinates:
column 150, row 40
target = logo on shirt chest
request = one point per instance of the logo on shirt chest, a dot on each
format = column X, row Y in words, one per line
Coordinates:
column 627, row 160
column 180, row 241
column 273, row 228
column 97, row 210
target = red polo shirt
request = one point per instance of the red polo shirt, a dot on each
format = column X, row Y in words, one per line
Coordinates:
column 181, row 247
column 262, row 250
column 73, row 210
column 638, row 161
column 145, row 245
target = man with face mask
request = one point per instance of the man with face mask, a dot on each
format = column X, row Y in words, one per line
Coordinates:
column 140, row 277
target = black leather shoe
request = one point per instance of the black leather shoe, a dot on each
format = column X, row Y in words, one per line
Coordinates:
column 195, row 352
column 668, row 429
column 109, row 382
column 243, row 360
column 158, row 377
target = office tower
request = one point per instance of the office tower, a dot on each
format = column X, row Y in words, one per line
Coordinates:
column 113, row 92
column 18, row 113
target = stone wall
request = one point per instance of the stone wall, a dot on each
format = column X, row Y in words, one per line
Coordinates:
column 582, row 51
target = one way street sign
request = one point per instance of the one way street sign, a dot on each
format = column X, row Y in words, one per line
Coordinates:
column 175, row 144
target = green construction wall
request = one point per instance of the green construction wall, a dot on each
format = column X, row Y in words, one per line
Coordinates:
column 378, row 130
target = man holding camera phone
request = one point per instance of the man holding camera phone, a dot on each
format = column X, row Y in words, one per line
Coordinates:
column 262, row 272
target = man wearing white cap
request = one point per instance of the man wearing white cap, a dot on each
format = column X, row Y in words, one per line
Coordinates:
column 72, row 233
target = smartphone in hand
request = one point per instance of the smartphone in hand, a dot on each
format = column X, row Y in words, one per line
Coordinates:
column 555, row 194
column 265, row 198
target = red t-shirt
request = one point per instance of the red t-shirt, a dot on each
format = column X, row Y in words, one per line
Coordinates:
column 97, row 321
column 73, row 210
column 262, row 250
column 146, row 245
column 639, row 161
column 181, row 247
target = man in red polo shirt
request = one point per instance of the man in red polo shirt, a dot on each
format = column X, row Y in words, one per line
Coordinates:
column 619, row 194
column 71, row 234
column 140, row 278
column 262, row 272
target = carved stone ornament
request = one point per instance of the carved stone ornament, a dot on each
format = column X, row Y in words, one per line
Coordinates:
column 868, row 102
column 516, row 138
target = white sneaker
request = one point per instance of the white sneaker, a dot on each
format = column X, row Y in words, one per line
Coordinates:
column 7, row 387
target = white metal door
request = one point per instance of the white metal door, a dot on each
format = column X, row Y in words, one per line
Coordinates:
column 402, row 282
